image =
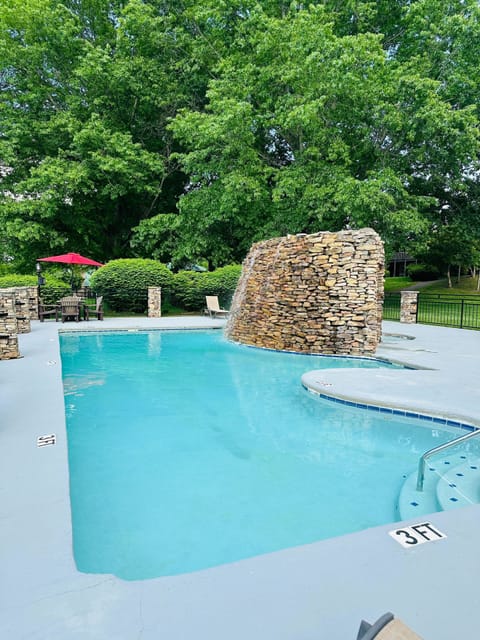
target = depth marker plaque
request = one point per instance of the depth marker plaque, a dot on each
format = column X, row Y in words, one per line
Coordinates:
column 416, row 534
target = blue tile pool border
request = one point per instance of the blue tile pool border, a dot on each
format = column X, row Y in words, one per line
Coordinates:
column 446, row 422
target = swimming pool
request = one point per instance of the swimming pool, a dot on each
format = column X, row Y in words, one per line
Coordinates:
column 187, row 451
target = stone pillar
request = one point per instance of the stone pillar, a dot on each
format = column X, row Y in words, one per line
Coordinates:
column 8, row 326
column 23, row 322
column 31, row 296
column 22, row 310
column 154, row 302
column 408, row 306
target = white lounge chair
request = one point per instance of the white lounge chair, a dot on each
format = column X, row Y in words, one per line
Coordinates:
column 213, row 307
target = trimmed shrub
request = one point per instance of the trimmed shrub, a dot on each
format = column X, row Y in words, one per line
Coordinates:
column 423, row 272
column 186, row 290
column 53, row 290
column 191, row 287
column 124, row 283
column 50, row 292
column 17, row 280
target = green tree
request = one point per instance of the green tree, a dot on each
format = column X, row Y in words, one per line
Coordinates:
column 188, row 129
column 443, row 37
column 304, row 137
column 86, row 91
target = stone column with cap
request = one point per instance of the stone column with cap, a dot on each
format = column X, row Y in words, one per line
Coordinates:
column 408, row 306
column 154, row 302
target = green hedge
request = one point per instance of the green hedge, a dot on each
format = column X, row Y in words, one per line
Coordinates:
column 190, row 287
column 17, row 280
column 50, row 292
column 124, row 283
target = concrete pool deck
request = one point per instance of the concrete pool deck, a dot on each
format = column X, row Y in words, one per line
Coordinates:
column 312, row 592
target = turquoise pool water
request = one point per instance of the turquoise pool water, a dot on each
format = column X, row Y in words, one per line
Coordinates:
column 187, row 451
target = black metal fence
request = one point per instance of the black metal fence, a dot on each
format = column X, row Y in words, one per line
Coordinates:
column 449, row 310
column 391, row 306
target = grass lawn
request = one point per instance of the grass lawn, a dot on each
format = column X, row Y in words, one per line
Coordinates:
column 397, row 284
column 466, row 287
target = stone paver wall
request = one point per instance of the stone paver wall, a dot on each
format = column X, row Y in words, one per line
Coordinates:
column 319, row 293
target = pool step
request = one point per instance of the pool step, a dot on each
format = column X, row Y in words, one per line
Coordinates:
column 460, row 486
column 450, row 482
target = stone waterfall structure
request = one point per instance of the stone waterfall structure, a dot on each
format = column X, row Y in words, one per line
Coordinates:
column 320, row 293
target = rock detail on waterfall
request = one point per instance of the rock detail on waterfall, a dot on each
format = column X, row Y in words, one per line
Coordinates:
column 320, row 293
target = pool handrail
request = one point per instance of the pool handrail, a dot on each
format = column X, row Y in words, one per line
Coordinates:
column 442, row 447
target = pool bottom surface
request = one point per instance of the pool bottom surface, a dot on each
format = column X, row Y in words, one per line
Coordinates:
column 186, row 452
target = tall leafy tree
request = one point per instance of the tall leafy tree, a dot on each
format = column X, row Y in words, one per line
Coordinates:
column 443, row 38
column 192, row 128
column 327, row 130
column 440, row 39
column 87, row 87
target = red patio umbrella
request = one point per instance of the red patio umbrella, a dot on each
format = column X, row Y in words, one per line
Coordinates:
column 72, row 258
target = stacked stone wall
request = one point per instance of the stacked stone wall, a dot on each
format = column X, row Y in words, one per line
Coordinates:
column 320, row 293
column 29, row 295
column 26, row 300
column 26, row 303
column 8, row 326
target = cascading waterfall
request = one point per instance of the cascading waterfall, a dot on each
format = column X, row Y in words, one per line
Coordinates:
column 319, row 293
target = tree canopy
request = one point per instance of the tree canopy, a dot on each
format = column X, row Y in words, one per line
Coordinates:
column 189, row 129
